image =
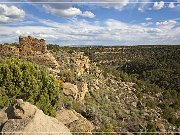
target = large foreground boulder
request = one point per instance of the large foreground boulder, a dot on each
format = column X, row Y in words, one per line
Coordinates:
column 24, row 118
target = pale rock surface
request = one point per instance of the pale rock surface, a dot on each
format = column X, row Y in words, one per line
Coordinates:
column 74, row 121
column 3, row 117
column 26, row 118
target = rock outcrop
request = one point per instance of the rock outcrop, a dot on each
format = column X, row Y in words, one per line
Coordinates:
column 82, row 63
column 74, row 121
column 77, row 91
column 23, row 118
column 83, row 89
column 70, row 90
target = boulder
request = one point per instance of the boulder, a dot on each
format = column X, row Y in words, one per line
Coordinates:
column 77, row 91
column 74, row 121
column 66, row 116
column 23, row 110
column 25, row 118
column 70, row 89
column 3, row 117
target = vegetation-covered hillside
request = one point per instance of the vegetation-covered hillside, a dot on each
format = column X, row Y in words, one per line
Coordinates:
column 121, row 89
column 155, row 67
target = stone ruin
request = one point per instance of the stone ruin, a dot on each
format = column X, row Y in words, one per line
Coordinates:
column 27, row 46
column 31, row 46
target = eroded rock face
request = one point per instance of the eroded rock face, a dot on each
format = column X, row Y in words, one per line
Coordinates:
column 3, row 117
column 46, row 59
column 74, row 121
column 24, row 117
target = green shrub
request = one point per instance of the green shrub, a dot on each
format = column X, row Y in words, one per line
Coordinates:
column 151, row 128
column 67, row 75
column 24, row 80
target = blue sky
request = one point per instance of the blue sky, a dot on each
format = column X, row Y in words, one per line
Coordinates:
column 92, row 22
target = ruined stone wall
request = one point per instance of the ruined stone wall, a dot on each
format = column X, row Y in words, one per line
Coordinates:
column 9, row 49
column 31, row 46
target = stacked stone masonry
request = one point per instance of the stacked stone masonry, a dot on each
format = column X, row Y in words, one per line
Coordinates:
column 33, row 48
column 30, row 46
column 27, row 46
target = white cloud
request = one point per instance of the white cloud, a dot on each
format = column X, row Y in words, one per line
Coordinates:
column 158, row 5
column 147, row 24
column 118, row 6
column 169, row 24
column 142, row 6
column 18, row 32
column 70, row 12
column 10, row 13
column 171, row 5
column 148, row 19
column 109, row 32
column 64, row 9
column 88, row 14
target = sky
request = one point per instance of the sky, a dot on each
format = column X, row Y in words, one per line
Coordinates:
column 92, row 22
